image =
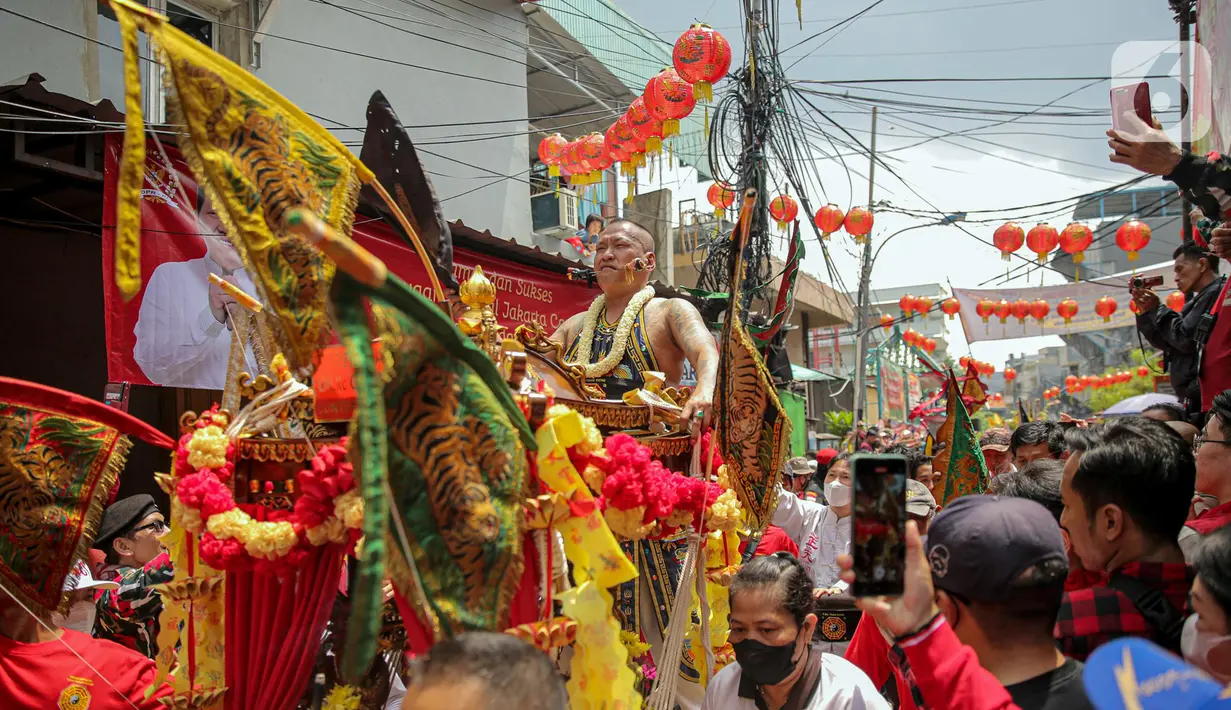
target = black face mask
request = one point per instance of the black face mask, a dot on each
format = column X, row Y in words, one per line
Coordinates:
column 764, row 664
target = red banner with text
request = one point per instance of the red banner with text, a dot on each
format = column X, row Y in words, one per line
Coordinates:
column 176, row 331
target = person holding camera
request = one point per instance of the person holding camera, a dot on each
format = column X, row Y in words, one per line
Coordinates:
column 1181, row 335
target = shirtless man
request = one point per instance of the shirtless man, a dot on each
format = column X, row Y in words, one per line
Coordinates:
column 658, row 334
column 663, row 331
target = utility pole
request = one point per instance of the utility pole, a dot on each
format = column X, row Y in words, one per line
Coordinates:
column 1183, row 15
column 865, row 274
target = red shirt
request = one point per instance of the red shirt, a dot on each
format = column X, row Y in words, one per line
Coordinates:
column 1214, row 518
column 1215, row 373
column 1091, row 617
column 774, row 539
column 872, row 653
column 49, row 675
column 949, row 674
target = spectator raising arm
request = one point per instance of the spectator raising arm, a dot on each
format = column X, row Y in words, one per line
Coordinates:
column 1206, row 181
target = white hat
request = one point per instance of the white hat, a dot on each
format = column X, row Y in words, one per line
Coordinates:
column 80, row 578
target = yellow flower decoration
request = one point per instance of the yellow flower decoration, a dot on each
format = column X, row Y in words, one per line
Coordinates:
column 627, row 523
column 229, row 525
column 208, row 448
column 342, row 697
column 636, row 647
column 725, row 512
column 348, row 508
column 269, row 540
column 332, row 530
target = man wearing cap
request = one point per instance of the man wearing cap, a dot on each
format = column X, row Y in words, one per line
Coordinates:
column 131, row 536
column 82, row 588
column 796, row 474
column 60, row 457
column 995, row 445
column 871, row 442
column 984, row 593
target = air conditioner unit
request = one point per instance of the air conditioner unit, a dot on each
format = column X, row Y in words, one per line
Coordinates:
column 555, row 213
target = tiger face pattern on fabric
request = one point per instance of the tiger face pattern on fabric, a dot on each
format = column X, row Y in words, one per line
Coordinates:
column 54, row 471
column 458, row 475
column 257, row 157
column 753, row 428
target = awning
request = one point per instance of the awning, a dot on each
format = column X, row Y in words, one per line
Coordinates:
column 803, row 374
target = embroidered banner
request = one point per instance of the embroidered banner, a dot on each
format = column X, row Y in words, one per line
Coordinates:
column 174, row 332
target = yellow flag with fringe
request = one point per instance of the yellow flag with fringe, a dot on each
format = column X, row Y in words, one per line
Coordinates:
column 256, row 155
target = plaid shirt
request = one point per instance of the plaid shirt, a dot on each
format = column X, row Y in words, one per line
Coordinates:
column 1093, row 616
column 129, row 615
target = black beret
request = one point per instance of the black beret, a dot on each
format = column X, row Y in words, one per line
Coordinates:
column 121, row 516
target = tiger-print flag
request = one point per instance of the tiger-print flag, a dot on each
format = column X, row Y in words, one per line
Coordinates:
column 439, row 446
column 960, row 462
column 256, row 156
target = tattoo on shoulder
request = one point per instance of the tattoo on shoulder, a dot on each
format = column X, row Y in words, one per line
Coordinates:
column 687, row 325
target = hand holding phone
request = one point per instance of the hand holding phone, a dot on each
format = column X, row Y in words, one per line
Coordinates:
column 1134, row 98
column 878, row 533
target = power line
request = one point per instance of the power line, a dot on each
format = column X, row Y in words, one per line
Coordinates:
column 971, row 79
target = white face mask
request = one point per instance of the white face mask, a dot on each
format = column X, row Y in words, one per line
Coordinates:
column 837, row 494
column 1196, row 645
column 80, row 618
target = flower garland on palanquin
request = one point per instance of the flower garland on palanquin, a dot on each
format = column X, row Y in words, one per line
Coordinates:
column 234, row 537
column 639, row 497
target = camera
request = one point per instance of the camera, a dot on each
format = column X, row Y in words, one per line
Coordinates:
column 1140, row 282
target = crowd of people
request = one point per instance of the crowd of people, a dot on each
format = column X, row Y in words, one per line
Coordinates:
column 1088, row 532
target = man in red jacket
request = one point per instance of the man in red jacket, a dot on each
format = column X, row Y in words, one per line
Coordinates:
column 998, row 566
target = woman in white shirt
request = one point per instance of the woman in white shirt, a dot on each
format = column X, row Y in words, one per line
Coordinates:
column 822, row 531
column 776, row 667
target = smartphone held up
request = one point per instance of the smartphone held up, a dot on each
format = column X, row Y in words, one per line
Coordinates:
column 1134, row 98
column 878, row 544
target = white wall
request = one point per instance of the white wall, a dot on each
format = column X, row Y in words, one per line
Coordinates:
column 337, row 85
column 67, row 62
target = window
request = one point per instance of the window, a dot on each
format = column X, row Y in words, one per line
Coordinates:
column 196, row 23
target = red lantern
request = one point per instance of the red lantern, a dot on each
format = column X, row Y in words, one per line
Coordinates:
column 951, row 306
column 1008, row 238
column 645, row 126
column 784, row 209
column 1075, row 239
column 929, row 345
column 1143, row 371
column 997, row 398
column 1105, row 307
column 1041, row 240
column 964, row 361
column 1125, row 376
column 911, row 336
column 621, row 134
column 1021, row 310
column 985, row 308
column 1175, row 301
column 858, row 223
column 551, row 152
column 1003, row 310
column 721, row 196
column 907, row 304
column 987, row 368
column 1071, row 381
column 1132, row 237
column 1047, row 393
column 1088, row 380
column 923, row 306
column 669, row 99
column 1132, row 306
column 1066, row 309
column 1039, row 310
column 886, row 321
column 1010, row 374
column 1108, row 380
column 829, row 220
column 702, row 57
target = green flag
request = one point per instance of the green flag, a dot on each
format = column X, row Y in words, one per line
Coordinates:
column 961, row 461
column 439, row 447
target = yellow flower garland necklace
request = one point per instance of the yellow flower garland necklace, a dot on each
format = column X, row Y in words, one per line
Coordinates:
column 623, row 332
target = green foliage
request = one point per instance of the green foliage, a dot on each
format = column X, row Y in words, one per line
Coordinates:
column 1104, row 397
column 839, row 423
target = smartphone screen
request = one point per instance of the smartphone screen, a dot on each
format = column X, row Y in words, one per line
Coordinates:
column 879, row 528
column 1135, row 98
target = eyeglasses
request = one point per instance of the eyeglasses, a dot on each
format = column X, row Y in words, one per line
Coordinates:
column 159, row 527
column 1198, row 440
